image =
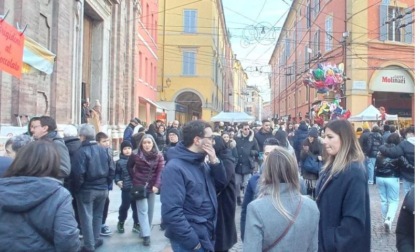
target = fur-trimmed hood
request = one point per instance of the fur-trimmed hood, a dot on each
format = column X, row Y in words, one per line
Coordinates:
column 250, row 136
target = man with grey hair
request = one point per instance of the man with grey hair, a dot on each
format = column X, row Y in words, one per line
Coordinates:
column 92, row 171
column 14, row 143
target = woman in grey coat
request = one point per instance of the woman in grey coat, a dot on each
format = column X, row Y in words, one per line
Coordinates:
column 280, row 205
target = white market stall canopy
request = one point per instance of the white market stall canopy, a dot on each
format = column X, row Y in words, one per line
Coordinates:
column 371, row 114
column 232, row 117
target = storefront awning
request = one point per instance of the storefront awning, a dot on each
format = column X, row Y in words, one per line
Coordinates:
column 159, row 108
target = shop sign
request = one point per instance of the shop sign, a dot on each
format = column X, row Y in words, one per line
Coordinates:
column 360, row 85
column 393, row 80
column 180, row 108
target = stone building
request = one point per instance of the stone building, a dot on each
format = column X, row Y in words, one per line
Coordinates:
column 94, row 42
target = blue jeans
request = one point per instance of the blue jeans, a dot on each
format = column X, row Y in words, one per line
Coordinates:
column 176, row 247
column 145, row 209
column 126, row 202
column 389, row 191
column 370, row 168
column 90, row 205
column 407, row 185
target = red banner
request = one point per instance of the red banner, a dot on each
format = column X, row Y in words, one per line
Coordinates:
column 11, row 49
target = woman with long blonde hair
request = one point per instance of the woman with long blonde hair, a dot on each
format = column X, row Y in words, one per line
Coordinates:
column 281, row 218
column 342, row 193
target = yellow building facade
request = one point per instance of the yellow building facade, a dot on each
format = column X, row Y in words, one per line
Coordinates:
column 194, row 59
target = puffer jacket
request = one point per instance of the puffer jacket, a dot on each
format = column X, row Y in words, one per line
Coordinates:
column 36, row 215
column 387, row 161
column 93, row 167
column 140, row 168
column 363, row 140
column 247, row 148
column 407, row 161
column 122, row 174
column 375, row 140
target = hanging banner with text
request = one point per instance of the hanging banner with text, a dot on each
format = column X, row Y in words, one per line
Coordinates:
column 11, row 49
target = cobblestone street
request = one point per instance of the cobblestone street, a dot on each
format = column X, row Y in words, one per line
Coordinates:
column 381, row 241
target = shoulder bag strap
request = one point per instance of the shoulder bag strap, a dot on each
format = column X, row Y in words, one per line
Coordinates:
column 287, row 228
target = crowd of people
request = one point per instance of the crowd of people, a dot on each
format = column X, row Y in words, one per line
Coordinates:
column 300, row 187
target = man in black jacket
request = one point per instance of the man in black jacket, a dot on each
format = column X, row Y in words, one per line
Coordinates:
column 408, row 160
column 405, row 224
column 92, row 172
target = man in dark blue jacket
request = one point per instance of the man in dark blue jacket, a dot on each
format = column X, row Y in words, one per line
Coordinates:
column 129, row 130
column 188, row 191
column 92, row 172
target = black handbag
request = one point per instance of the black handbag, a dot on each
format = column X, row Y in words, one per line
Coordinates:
column 140, row 192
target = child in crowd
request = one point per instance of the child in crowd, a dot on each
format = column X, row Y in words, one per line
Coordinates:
column 104, row 141
column 123, row 181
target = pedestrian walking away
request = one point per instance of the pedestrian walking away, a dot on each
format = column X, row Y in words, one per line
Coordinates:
column 280, row 215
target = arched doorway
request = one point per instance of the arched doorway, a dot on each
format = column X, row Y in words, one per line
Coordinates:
column 188, row 107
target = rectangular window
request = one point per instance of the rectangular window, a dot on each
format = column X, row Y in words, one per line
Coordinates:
column 394, row 32
column 316, row 7
column 328, row 33
column 307, row 93
column 190, row 21
column 146, row 70
column 316, row 43
column 308, row 14
column 306, row 58
column 188, row 59
column 140, row 64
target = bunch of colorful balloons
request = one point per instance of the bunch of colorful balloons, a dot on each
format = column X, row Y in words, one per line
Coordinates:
column 333, row 109
column 325, row 78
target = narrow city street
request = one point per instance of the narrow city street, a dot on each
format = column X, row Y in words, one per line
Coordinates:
column 129, row 241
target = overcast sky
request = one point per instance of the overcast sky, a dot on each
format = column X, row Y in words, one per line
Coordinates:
column 252, row 43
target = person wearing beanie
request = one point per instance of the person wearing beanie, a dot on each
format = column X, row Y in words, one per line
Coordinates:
column 313, row 132
column 173, row 136
column 123, row 181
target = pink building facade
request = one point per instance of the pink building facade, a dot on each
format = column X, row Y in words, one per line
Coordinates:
column 146, row 59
